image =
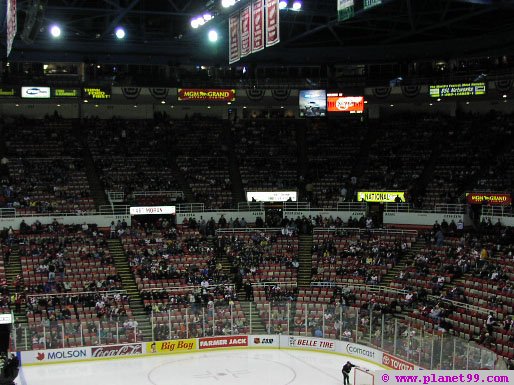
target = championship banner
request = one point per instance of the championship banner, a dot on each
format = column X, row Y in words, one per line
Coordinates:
column 12, row 24
column 185, row 94
column 246, row 36
column 233, row 45
column 257, row 25
column 272, row 23
column 490, row 199
column 371, row 3
column 345, row 9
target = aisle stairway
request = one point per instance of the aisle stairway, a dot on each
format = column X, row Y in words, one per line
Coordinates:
column 236, row 182
column 252, row 317
column 404, row 262
column 305, row 259
column 13, row 268
column 95, row 184
column 130, row 285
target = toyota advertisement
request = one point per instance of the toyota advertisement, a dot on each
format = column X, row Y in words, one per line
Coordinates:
column 337, row 102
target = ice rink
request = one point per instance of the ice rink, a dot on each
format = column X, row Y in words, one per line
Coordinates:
column 250, row 367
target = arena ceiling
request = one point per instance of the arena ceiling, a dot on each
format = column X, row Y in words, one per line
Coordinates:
column 159, row 31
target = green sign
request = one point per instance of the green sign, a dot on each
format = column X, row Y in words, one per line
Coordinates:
column 8, row 92
column 461, row 89
column 97, row 93
column 66, row 93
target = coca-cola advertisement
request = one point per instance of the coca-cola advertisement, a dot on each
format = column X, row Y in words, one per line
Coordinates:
column 272, row 23
column 257, row 25
column 234, row 39
column 246, row 37
column 117, row 350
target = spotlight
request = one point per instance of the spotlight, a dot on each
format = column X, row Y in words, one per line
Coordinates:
column 200, row 21
column 194, row 23
column 207, row 17
column 282, row 4
column 227, row 3
column 55, row 31
column 213, row 36
column 297, row 5
column 120, row 33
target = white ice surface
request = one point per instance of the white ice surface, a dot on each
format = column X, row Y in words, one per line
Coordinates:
column 249, row 367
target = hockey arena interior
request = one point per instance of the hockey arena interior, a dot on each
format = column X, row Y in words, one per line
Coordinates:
column 255, row 191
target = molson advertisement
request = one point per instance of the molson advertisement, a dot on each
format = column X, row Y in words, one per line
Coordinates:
column 186, row 94
column 381, row 196
column 491, row 199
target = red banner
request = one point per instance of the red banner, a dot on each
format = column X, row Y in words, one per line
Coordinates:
column 339, row 103
column 257, row 25
column 223, row 342
column 246, row 32
column 490, row 199
column 187, row 94
column 234, row 39
column 395, row 363
column 272, row 23
column 12, row 25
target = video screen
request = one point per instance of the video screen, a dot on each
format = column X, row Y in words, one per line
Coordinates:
column 313, row 103
column 336, row 102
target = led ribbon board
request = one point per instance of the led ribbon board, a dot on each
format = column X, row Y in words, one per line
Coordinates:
column 462, row 89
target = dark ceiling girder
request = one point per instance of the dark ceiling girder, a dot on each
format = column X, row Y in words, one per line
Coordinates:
column 448, row 22
column 121, row 15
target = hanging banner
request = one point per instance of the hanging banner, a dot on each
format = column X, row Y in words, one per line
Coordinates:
column 345, row 9
column 272, row 23
column 246, row 37
column 12, row 24
column 234, row 46
column 257, row 25
column 371, row 3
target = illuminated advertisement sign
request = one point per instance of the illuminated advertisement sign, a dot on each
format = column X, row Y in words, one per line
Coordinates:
column 152, row 210
column 8, row 92
column 271, row 196
column 97, row 93
column 65, row 93
column 381, row 196
column 462, row 89
column 336, row 102
column 35, row 92
column 491, row 199
column 313, row 103
column 206, row 95
column 173, row 346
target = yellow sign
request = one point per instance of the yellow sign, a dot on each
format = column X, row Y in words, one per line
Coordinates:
column 7, row 92
column 381, row 196
column 66, row 93
column 171, row 346
column 97, row 93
